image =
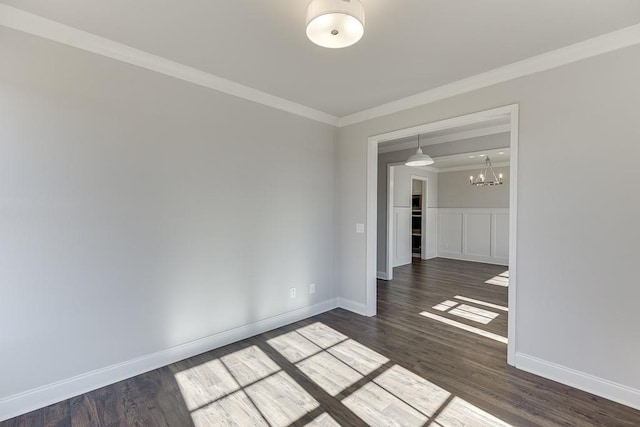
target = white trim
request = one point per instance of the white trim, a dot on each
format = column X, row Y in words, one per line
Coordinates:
column 458, row 136
column 30, row 23
column 473, row 258
column 609, row 42
column 423, row 215
column 390, row 187
column 372, row 193
column 371, row 250
column 474, row 210
column 599, row 386
column 513, row 233
column 452, row 122
column 478, row 153
column 40, row 397
column 353, row 306
column 471, row 167
column 382, row 275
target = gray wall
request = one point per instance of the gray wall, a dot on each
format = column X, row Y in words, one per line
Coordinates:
column 454, row 190
column 139, row 212
column 577, row 237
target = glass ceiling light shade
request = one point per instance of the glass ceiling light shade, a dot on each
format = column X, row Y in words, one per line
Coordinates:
column 419, row 159
column 485, row 176
column 335, row 23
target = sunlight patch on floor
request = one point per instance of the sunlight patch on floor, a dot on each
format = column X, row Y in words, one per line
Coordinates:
column 474, row 313
column 466, row 311
column 248, row 387
column 249, row 365
column 235, row 409
column 322, row 335
column 245, row 387
column 329, row 373
column 421, row 394
column 294, row 347
column 465, row 327
column 280, row 399
column 444, row 306
column 500, row 280
column 323, row 420
column 484, row 303
column 205, row 383
column 377, row 407
column 459, row 412
column 361, row 358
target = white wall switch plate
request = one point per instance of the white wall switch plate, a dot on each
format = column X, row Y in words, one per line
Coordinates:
column 312, row 288
column 292, row 293
column 359, row 228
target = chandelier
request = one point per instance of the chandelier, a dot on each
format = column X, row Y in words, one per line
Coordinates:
column 485, row 176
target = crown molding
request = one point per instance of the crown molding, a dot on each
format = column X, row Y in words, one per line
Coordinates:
column 471, row 167
column 20, row 20
column 609, row 42
column 458, row 136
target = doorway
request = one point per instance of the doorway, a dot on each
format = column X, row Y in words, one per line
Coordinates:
column 407, row 232
column 511, row 113
column 418, row 220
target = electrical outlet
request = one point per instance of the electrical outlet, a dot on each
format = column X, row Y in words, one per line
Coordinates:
column 312, row 288
column 359, row 228
column 292, row 293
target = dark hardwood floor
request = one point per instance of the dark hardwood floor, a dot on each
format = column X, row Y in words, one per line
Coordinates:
column 292, row 375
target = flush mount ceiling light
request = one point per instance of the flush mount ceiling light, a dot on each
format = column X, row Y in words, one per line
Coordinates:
column 335, row 23
column 419, row 159
column 483, row 178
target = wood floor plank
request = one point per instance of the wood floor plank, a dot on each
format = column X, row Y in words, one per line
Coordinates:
column 339, row 368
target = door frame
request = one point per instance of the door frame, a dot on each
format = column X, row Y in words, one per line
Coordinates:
column 388, row 274
column 423, row 218
column 511, row 111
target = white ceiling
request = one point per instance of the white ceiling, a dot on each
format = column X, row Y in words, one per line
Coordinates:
column 470, row 161
column 409, row 46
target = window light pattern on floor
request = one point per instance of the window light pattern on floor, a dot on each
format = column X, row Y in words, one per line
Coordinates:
column 501, row 279
column 466, row 311
column 248, row 387
column 243, row 388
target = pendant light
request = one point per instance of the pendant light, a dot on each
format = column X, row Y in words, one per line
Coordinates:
column 335, row 23
column 485, row 174
column 419, row 159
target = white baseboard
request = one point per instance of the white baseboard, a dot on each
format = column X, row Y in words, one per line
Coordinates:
column 382, row 275
column 40, row 397
column 353, row 306
column 600, row 387
column 474, row 258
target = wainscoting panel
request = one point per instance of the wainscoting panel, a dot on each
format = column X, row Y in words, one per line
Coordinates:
column 474, row 234
column 477, row 237
column 450, row 232
column 501, row 235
